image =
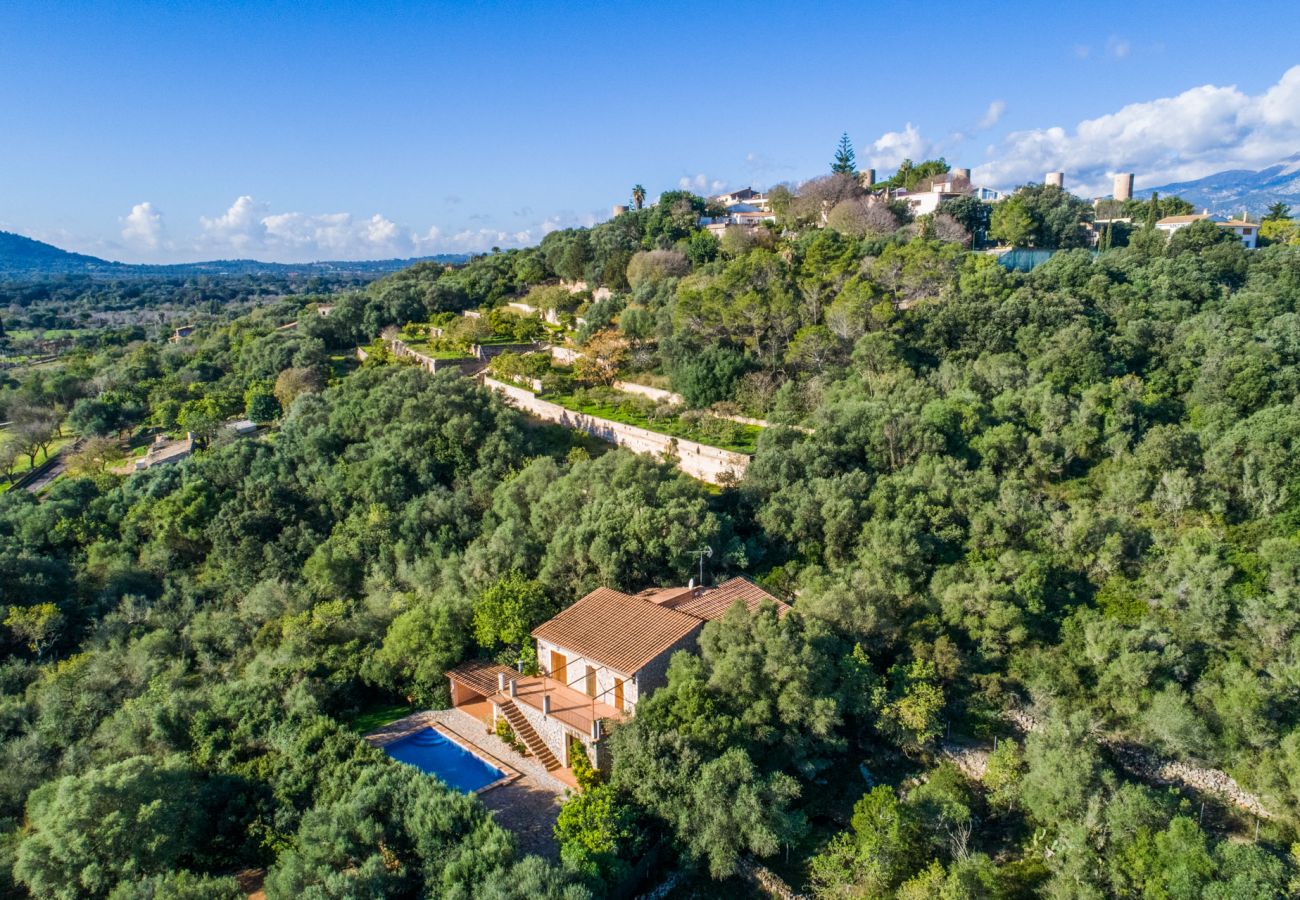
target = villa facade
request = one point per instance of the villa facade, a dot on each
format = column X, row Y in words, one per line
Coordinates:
column 596, row 660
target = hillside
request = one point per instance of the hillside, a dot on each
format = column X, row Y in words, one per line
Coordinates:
column 24, row 258
column 1039, row 531
column 1235, row 189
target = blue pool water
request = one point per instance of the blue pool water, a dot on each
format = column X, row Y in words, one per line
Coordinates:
column 434, row 754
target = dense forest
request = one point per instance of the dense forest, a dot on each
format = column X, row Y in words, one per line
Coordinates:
column 1054, row 515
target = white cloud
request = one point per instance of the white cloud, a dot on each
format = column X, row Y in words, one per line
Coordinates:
column 143, row 227
column 249, row 228
column 1118, row 47
column 242, row 227
column 892, row 147
column 1196, row 133
column 701, row 184
column 993, row 114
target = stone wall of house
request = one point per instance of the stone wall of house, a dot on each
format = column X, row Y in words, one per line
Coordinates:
column 576, row 673
column 549, row 728
column 556, row 735
column 654, row 674
column 711, row 464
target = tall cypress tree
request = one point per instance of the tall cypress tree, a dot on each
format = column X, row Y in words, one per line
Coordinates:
column 845, row 163
column 1153, row 210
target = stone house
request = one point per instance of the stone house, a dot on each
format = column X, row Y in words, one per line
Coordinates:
column 596, row 660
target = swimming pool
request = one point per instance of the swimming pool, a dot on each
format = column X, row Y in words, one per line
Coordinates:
column 434, row 754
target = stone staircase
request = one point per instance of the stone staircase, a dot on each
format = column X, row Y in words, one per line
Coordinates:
column 526, row 733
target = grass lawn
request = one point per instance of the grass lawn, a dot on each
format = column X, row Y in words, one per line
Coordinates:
column 374, row 717
column 434, row 349
column 711, row 431
column 343, row 363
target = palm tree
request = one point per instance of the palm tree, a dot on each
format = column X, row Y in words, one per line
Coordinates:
column 638, row 196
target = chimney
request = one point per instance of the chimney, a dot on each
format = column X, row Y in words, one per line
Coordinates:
column 1055, row 179
column 501, row 682
column 1123, row 189
column 690, row 585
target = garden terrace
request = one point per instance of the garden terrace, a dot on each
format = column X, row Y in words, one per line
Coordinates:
column 701, row 427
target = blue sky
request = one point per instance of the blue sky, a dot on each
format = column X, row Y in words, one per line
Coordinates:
column 177, row 130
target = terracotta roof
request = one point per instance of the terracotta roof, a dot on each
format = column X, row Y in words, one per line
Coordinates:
column 1182, row 220
column 1238, row 223
column 662, row 596
column 713, row 603
column 617, row 630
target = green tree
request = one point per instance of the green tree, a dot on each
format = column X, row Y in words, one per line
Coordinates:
column 506, row 613
column 1278, row 212
column 844, row 162
column 710, row 376
column 1011, row 223
column 597, row 835
column 90, row 831
column 203, row 418
column 638, row 196
column 882, row 848
column 260, row 404
column 37, row 626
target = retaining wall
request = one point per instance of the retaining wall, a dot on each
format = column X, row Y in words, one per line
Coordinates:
column 711, row 464
column 644, row 390
column 461, row 364
column 564, row 355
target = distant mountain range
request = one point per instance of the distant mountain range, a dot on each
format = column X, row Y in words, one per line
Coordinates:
column 1238, row 189
column 24, row 258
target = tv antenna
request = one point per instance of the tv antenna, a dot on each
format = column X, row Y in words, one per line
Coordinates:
column 701, row 554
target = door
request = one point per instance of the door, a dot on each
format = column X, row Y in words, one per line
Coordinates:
column 591, row 682
column 618, row 694
column 559, row 667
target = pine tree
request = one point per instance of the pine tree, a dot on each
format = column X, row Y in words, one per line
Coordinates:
column 1278, row 212
column 845, row 163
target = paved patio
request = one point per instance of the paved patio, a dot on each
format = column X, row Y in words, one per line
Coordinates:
column 527, row 804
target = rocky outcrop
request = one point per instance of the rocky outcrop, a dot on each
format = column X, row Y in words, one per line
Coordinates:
column 1150, row 766
column 766, row 880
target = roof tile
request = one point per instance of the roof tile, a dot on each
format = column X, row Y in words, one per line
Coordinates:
column 617, row 630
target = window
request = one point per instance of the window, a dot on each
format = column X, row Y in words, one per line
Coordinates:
column 591, row 681
column 618, row 694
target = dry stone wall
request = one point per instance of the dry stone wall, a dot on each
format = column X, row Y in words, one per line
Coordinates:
column 711, row 464
column 1145, row 764
column 644, row 390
